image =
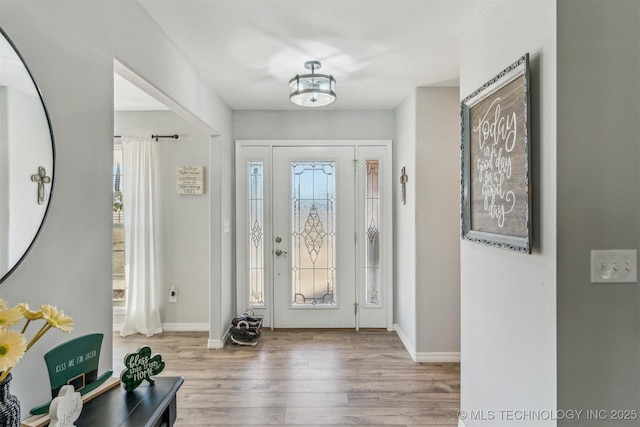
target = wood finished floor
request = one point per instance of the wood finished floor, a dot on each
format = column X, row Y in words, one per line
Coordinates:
column 305, row 378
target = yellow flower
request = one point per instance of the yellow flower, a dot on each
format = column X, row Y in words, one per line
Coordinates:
column 27, row 313
column 57, row 319
column 10, row 316
column 3, row 304
column 13, row 345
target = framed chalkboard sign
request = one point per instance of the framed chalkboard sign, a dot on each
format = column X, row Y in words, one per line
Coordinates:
column 496, row 164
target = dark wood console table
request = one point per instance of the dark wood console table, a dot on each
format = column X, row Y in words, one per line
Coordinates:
column 148, row 406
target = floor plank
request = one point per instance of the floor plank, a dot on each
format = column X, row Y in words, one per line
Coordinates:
column 305, row 378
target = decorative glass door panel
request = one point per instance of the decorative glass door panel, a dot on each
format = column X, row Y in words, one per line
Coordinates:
column 313, row 236
column 314, row 226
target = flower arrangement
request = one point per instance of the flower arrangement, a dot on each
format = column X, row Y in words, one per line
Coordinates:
column 13, row 344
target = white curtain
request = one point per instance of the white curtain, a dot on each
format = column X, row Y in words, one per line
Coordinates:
column 141, row 273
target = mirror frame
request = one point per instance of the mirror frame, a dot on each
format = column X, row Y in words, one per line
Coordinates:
column 53, row 159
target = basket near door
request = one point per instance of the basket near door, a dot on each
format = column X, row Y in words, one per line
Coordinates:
column 245, row 329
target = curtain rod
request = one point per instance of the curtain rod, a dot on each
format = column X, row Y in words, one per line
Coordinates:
column 174, row 136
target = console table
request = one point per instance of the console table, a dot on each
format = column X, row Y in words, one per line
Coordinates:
column 146, row 406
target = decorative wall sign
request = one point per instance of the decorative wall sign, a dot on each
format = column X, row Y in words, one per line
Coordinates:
column 66, row 408
column 190, row 179
column 139, row 367
column 496, row 164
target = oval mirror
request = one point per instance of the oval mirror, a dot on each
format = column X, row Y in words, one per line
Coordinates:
column 26, row 158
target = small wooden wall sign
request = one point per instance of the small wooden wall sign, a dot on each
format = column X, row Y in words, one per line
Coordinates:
column 190, row 179
column 139, row 367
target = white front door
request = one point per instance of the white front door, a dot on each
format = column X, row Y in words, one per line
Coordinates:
column 314, row 267
column 314, row 233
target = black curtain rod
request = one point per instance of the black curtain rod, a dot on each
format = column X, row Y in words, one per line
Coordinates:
column 175, row 136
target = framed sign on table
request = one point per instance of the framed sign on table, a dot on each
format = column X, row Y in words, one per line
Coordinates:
column 496, row 161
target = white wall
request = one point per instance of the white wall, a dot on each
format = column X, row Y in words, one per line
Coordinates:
column 309, row 124
column 427, row 237
column 404, row 219
column 508, row 300
column 183, row 219
column 70, row 47
column 598, row 204
column 437, row 193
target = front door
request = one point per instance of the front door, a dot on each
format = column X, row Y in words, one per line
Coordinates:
column 314, row 263
column 314, row 233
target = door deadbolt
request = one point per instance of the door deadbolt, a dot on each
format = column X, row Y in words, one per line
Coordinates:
column 278, row 239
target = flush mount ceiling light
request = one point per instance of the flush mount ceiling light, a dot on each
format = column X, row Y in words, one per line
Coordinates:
column 312, row 90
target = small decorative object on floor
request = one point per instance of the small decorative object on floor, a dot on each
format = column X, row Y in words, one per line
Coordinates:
column 246, row 328
column 140, row 366
column 9, row 405
column 13, row 345
column 66, row 408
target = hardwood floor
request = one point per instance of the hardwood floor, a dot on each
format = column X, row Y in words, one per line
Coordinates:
column 303, row 377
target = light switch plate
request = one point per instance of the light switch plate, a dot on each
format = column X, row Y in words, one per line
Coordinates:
column 614, row 266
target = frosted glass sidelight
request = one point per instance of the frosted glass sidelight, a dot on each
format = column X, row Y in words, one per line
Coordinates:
column 372, row 224
column 256, row 234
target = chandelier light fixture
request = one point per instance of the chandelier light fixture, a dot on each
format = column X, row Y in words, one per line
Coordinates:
column 312, row 90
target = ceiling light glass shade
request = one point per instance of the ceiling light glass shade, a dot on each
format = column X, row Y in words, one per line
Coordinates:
column 312, row 90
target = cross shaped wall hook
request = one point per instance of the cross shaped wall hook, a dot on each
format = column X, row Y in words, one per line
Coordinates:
column 41, row 178
column 403, row 181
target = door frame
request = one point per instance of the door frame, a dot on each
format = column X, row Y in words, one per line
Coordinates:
column 261, row 151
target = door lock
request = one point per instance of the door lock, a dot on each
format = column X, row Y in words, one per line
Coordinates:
column 278, row 239
column 280, row 252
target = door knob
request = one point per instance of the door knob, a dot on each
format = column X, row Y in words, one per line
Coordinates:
column 280, row 252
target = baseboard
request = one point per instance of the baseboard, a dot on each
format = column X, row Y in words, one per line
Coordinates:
column 425, row 356
column 188, row 327
column 174, row 327
column 405, row 341
column 437, row 356
column 218, row 344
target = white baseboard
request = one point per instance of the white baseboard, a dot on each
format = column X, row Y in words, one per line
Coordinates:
column 425, row 356
column 437, row 356
column 182, row 327
column 215, row 344
column 195, row 327
column 407, row 344
column 218, row 344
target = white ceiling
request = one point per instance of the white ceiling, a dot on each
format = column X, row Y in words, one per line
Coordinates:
column 377, row 50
